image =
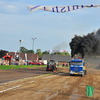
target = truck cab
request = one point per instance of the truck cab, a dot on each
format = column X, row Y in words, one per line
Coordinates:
column 77, row 67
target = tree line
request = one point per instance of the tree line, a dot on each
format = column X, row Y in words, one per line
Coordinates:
column 40, row 53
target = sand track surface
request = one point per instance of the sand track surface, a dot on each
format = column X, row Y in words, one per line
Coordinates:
column 58, row 86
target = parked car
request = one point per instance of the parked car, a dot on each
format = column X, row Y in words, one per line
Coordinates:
column 36, row 63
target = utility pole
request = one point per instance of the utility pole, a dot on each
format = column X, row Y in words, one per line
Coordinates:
column 33, row 46
column 19, row 49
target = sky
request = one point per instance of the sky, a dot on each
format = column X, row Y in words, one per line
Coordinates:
column 53, row 31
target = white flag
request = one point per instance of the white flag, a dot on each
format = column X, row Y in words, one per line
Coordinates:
column 60, row 9
column 26, row 56
column 34, row 8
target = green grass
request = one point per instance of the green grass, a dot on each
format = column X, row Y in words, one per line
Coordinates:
column 6, row 67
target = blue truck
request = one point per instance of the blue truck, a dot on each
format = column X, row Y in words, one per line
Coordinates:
column 77, row 67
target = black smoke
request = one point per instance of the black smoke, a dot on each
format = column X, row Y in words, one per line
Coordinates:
column 86, row 45
column 75, row 45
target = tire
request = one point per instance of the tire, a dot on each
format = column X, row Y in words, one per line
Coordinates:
column 82, row 74
column 54, row 69
column 85, row 72
column 70, row 74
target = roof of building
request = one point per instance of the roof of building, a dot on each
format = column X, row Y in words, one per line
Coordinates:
column 61, row 58
column 30, row 56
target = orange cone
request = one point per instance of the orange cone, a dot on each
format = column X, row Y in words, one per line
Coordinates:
column 20, row 66
column 12, row 67
column 28, row 66
column 34, row 66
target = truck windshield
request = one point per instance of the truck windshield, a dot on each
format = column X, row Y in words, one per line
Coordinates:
column 76, row 63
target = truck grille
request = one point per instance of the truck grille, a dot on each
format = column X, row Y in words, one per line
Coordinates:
column 76, row 69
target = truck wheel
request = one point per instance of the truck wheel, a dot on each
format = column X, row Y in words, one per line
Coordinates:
column 82, row 74
column 85, row 72
column 70, row 74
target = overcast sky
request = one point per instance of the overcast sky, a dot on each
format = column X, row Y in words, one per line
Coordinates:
column 52, row 30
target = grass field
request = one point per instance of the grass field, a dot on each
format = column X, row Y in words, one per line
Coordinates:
column 6, row 67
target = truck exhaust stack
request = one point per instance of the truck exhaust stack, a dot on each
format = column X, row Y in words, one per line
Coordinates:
column 75, row 57
column 83, row 60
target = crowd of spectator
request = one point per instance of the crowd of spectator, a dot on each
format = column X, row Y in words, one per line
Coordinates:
column 13, row 62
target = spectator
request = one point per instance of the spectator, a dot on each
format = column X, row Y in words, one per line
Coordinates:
column 66, row 65
column 63, row 65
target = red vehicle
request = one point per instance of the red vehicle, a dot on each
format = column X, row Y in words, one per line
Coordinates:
column 36, row 63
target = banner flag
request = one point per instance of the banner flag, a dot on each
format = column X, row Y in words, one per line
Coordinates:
column 60, row 9
column 89, row 91
column 15, row 55
column 53, row 51
column 26, row 56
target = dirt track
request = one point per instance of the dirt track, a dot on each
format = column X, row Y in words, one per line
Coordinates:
column 59, row 86
column 15, row 74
